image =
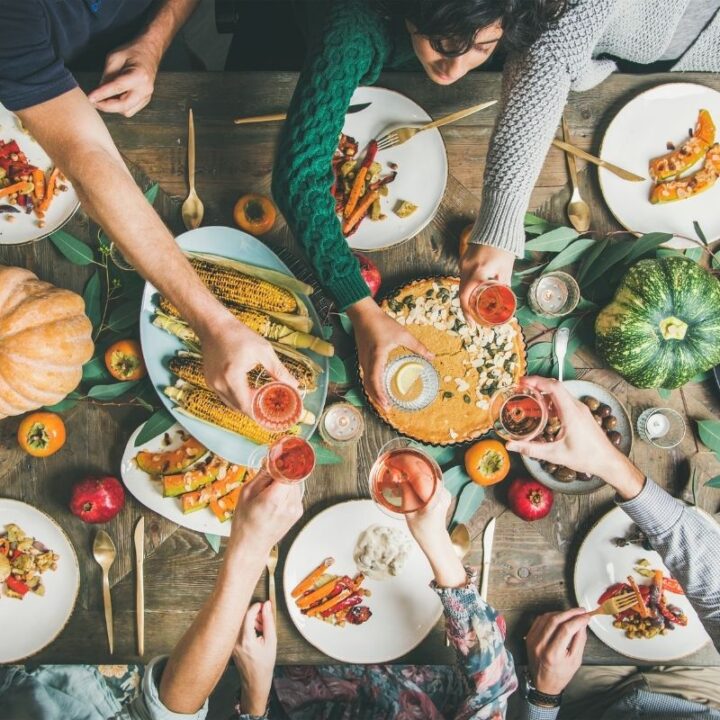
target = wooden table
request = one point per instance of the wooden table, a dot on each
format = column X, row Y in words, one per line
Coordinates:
column 532, row 563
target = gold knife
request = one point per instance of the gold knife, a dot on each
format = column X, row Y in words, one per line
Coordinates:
column 140, row 584
column 487, row 543
column 620, row 172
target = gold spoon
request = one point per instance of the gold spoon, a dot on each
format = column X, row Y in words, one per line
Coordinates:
column 104, row 554
column 578, row 210
column 192, row 209
column 461, row 542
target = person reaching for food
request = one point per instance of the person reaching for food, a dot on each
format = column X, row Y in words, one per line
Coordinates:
column 577, row 52
column 35, row 83
column 447, row 39
column 689, row 544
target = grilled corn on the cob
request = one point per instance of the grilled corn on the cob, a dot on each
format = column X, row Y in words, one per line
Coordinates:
column 237, row 288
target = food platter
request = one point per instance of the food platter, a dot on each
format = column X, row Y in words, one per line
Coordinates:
column 404, row 608
column 470, row 364
column 31, row 624
column 601, row 563
column 640, row 131
column 422, row 167
column 580, row 389
column 23, row 228
column 159, row 346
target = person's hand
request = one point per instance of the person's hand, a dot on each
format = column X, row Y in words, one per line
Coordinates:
column 478, row 264
column 376, row 336
column 555, row 646
column 234, row 350
column 254, row 656
column 581, row 444
column 128, row 80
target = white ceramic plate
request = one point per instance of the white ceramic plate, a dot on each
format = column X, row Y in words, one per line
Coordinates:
column 422, row 166
column 640, row 132
column 23, row 228
column 404, row 608
column 159, row 346
column 579, row 389
column 600, row 563
column 149, row 491
column 31, row 624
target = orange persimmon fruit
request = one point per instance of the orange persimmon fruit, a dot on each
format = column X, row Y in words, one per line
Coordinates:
column 487, row 462
column 254, row 214
column 124, row 360
column 41, row 434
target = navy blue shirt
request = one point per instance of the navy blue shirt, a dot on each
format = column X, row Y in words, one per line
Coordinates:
column 39, row 38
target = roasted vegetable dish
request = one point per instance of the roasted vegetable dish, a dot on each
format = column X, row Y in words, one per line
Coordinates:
column 332, row 598
column 23, row 560
column 652, row 615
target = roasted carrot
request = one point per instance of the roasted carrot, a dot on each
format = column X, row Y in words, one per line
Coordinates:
column 305, row 584
column 322, row 592
column 329, row 603
column 39, row 182
column 18, row 187
column 362, row 208
column 359, row 183
column 43, row 206
column 641, row 606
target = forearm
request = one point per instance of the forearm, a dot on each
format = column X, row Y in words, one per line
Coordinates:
column 201, row 656
column 170, row 17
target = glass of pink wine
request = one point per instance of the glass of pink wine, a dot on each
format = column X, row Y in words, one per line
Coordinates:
column 492, row 303
column 290, row 459
column 403, row 479
column 277, row 406
column 519, row 412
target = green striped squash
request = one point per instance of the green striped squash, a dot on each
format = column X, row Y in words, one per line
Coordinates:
column 663, row 326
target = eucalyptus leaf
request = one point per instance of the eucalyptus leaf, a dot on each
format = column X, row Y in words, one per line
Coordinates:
column 111, row 391
column 155, row 425
column 338, row 371
column 213, row 541
column 124, row 316
column 91, row 296
column 95, row 370
column 715, row 262
column 540, row 350
column 538, row 229
column 67, row 404
column 709, row 431
column 668, row 252
column 528, row 271
column 151, row 193
column 525, row 316
column 646, row 243
column 713, row 482
column 553, row 241
column 327, row 331
column 702, row 377
column 612, row 255
column 532, row 219
column 699, row 232
column 664, row 393
column 355, row 397
column 442, row 454
column 470, row 500
column 695, row 253
column 346, row 324
column 586, row 305
column 323, row 454
column 570, row 254
column 455, row 479
column 76, row 251
column 540, row 366
column 590, row 257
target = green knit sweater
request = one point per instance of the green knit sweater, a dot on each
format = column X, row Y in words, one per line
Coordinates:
column 353, row 48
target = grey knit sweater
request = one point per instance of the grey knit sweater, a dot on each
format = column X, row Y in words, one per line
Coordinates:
column 536, row 85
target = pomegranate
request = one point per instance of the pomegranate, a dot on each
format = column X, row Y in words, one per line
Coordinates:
column 529, row 499
column 370, row 273
column 97, row 499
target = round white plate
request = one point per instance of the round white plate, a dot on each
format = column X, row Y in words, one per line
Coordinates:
column 640, row 132
column 159, row 346
column 404, row 608
column 579, row 389
column 31, row 624
column 422, row 166
column 24, row 227
column 600, row 563
column 149, row 492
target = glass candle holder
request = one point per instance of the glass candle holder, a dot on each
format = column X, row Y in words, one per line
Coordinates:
column 554, row 294
column 411, row 382
column 662, row 427
column 341, row 423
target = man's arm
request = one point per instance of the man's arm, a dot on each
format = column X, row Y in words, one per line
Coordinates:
column 128, row 80
column 72, row 133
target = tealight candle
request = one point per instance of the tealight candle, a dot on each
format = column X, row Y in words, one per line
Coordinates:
column 554, row 294
column 657, row 425
column 662, row 427
column 341, row 423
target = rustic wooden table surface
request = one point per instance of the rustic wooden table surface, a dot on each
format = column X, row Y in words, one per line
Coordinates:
column 532, row 564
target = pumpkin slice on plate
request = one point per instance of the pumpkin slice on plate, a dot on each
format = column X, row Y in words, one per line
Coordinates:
column 224, row 507
column 203, row 474
column 172, row 461
column 199, row 499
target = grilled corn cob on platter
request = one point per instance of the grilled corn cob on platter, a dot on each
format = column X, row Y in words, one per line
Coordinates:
column 258, row 290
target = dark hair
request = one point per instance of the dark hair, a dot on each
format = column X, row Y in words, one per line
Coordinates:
column 451, row 25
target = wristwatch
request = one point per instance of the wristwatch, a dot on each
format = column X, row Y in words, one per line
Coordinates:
column 541, row 699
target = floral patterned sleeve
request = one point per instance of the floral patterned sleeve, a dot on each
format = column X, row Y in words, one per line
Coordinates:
column 477, row 632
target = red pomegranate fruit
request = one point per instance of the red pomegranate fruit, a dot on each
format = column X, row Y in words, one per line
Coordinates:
column 529, row 499
column 97, row 499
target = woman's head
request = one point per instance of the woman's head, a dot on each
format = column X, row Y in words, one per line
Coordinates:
column 452, row 37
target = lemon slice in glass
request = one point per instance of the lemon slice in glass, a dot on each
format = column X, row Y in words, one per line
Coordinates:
column 408, row 379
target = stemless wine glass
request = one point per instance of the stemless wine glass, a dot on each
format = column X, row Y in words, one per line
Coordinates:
column 492, row 303
column 519, row 412
column 289, row 460
column 403, row 479
column 277, row 406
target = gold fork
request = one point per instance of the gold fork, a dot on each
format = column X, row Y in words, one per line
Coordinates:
column 615, row 605
column 271, row 565
column 403, row 134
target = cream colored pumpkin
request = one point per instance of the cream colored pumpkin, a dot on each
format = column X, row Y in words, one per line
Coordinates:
column 45, row 339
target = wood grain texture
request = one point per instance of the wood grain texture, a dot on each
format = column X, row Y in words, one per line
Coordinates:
column 532, row 563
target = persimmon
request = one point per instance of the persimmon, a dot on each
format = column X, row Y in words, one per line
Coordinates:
column 487, row 462
column 465, row 239
column 41, row 434
column 124, row 360
column 254, row 214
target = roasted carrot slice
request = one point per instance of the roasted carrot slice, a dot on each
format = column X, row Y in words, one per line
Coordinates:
column 359, row 183
column 42, row 208
column 305, row 584
column 18, row 187
column 683, row 158
column 362, row 208
column 641, row 606
column 329, row 603
column 317, row 595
